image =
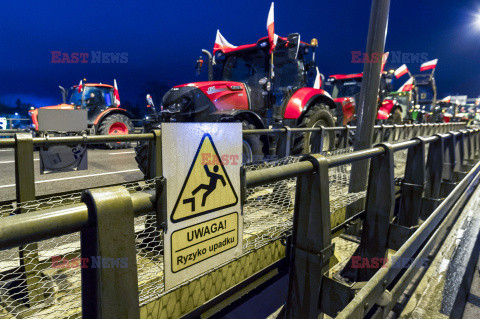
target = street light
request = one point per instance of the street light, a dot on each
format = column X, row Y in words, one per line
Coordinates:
column 476, row 21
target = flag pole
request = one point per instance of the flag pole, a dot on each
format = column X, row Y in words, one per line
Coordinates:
column 272, row 74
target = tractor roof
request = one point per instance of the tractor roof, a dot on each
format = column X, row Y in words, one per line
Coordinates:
column 226, row 50
column 96, row 84
column 346, row 76
column 350, row 76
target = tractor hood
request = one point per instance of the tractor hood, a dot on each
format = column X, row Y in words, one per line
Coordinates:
column 34, row 113
column 211, row 96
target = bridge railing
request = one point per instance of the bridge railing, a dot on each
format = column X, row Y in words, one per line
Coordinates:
column 24, row 145
column 105, row 220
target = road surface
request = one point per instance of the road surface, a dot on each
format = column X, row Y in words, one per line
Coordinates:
column 105, row 167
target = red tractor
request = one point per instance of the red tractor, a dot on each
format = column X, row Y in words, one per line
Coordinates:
column 104, row 115
column 345, row 90
column 241, row 87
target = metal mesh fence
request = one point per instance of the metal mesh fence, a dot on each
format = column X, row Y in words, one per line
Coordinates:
column 43, row 279
column 51, row 279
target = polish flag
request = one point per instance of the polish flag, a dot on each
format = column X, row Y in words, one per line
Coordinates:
column 272, row 38
column 446, row 99
column 384, row 60
column 318, row 80
column 429, row 65
column 407, row 86
column 221, row 43
column 115, row 92
column 401, row 71
column 80, row 86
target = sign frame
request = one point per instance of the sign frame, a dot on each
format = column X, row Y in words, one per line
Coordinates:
column 193, row 185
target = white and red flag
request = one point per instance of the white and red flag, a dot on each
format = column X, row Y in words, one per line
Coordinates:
column 401, row 71
column 272, row 37
column 446, row 99
column 318, row 80
column 384, row 60
column 407, row 86
column 221, row 43
column 80, row 86
column 429, row 65
column 115, row 92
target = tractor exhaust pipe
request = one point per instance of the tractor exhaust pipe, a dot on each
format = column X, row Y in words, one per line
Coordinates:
column 64, row 94
column 210, row 64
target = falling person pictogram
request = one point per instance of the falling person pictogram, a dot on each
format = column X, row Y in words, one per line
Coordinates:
column 210, row 187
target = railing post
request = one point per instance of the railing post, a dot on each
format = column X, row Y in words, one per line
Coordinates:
column 384, row 132
column 311, row 241
column 346, row 135
column 25, row 191
column 155, row 155
column 154, row 170
column 470, row 146
column 449, row 158
column 412, row 185
column 379, row 213
column 322, row 137
column 288, row 138
column 434, row 173
column 109, row 280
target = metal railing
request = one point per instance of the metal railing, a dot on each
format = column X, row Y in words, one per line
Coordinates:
column 423, row 188
column 24, row 144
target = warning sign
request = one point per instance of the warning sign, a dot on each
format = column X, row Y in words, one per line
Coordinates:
column 207, row 187
column 201, row 163
column 204, row 240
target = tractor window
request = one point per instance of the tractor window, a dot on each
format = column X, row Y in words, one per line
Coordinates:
column 288, row 73
column 347, row 88
column 247, row 67
column 92, row 96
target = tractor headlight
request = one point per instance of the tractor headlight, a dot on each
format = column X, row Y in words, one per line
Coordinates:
column 178, row 105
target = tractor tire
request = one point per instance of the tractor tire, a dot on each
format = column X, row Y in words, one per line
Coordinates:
column 141, row 156
column 318, row 115
column 437, row 118
column 397, row 117
column 116, row 124
column 252, row 146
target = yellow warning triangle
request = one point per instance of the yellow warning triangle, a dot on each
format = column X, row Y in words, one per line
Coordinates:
column 207, row 187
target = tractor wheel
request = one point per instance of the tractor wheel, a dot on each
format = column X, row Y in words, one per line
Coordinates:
column 309, row 142
column 141, row 156
column 396, row 117
column 116, row 124
column 252, row 146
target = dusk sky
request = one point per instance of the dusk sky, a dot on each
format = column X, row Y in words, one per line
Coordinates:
column 162, row 40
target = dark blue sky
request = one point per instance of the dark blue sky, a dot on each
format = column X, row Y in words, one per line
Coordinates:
column 164, row 38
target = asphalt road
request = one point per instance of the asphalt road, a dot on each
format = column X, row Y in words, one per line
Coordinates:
column 104, row 167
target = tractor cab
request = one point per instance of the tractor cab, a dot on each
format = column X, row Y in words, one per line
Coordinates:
column 349, row 85
column 251, row 64
column 92, row 96
column 345, row 91
column 425, row 90
column 426, row 106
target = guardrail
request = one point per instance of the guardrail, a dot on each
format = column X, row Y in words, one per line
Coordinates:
column 11, row 120
column 24, row 144
column 105, row 220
